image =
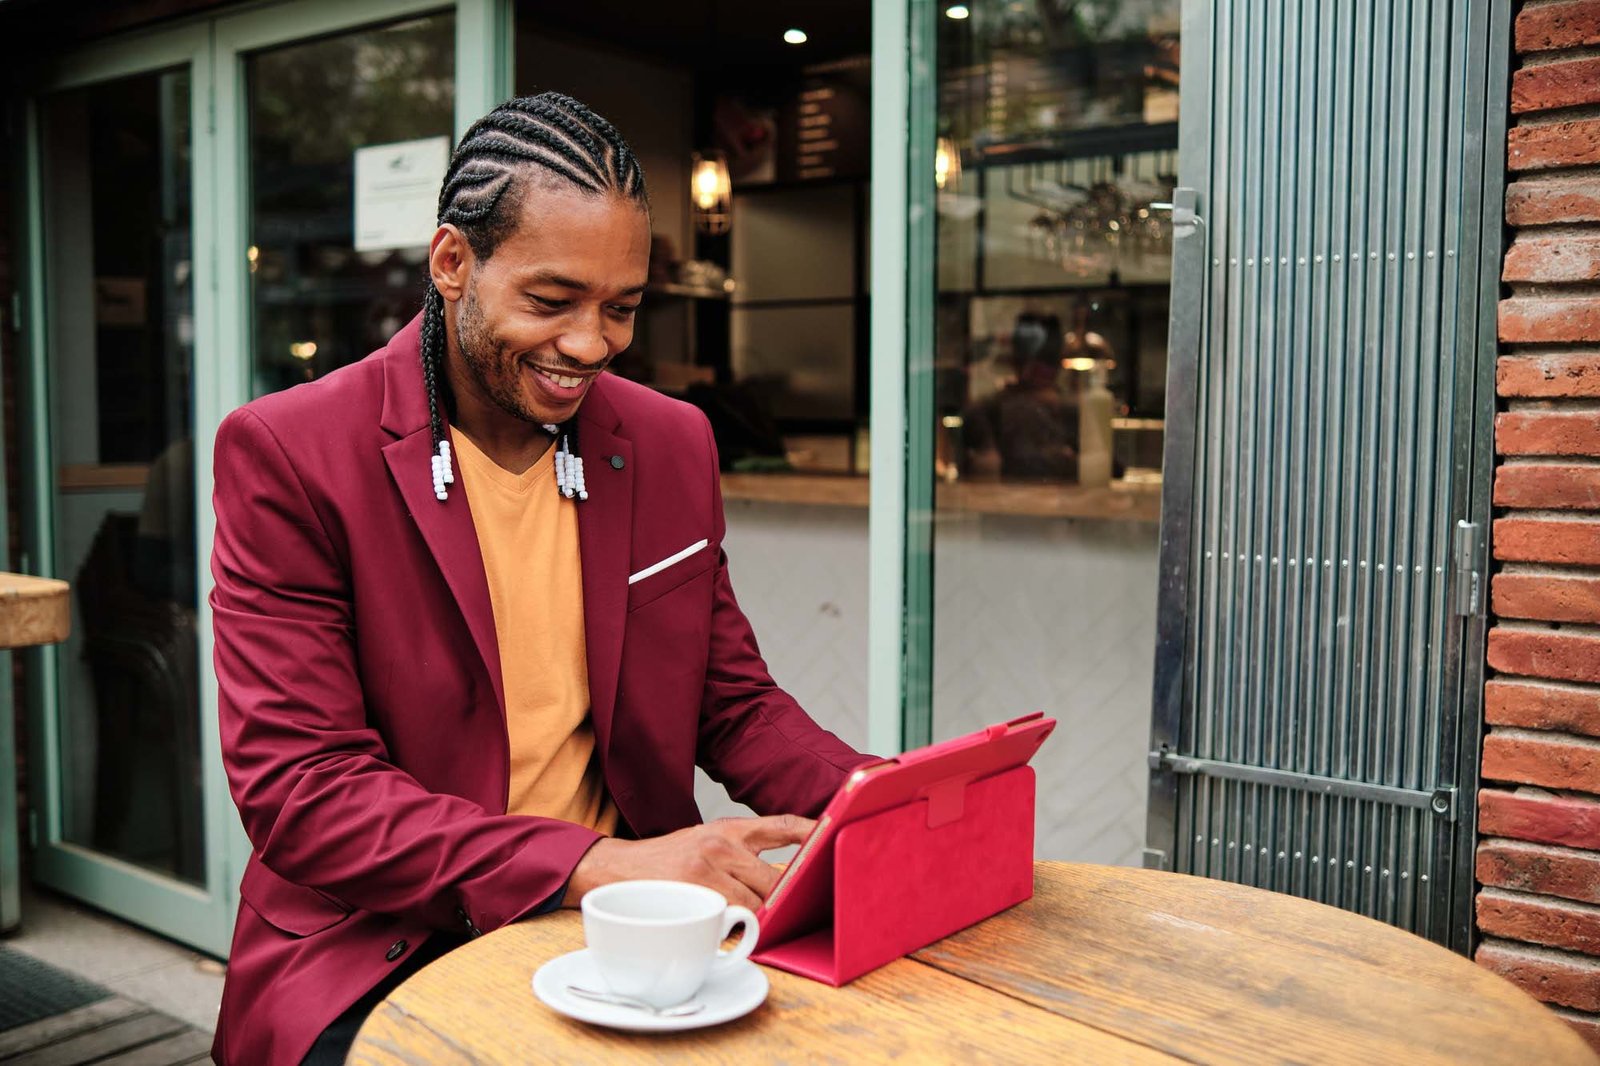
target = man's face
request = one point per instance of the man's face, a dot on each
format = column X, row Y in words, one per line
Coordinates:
column 555, row 302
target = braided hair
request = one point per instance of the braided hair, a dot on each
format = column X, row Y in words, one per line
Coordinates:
column 482, row 197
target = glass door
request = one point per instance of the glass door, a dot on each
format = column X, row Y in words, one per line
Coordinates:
column 193, row 193
column 1048, row 148
column 125, row 752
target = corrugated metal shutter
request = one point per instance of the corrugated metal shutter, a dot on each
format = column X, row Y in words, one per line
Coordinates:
column 1326, row 417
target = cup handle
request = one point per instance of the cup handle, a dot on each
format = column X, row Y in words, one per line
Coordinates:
column 731, row 917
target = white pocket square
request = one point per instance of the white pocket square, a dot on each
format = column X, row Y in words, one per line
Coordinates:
column 671, row 560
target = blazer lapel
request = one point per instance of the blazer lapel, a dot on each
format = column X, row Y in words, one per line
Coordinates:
column 447, row 528
column 605, row 539
column 445, row 525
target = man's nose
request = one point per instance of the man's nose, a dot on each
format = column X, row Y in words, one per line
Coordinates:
column 584, row 342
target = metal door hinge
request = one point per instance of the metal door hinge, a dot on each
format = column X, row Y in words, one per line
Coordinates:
column 1184, row 206
column 1466, row 593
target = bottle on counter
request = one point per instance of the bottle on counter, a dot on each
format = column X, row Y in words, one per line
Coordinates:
column 1094, row 431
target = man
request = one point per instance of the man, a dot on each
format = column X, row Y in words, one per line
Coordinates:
column 474, row 626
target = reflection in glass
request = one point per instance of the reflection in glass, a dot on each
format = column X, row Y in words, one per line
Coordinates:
column 117, row 219
column 321, row 298
column 1053, row 268
column 1063, row 120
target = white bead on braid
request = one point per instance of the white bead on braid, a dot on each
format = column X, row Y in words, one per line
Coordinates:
column 569, row 465
column 569, row 471
column 442, row 474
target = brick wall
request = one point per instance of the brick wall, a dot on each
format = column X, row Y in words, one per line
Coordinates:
column 1538, row 861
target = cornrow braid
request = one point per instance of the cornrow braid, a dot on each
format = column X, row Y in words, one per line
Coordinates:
column 550, row 132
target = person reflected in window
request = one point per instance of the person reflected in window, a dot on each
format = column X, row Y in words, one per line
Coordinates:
column 164, row 546
column 1028, row 431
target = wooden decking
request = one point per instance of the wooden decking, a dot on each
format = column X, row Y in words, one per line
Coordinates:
column 113, row 1030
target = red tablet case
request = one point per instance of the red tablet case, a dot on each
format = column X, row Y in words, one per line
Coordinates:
column 910, row 850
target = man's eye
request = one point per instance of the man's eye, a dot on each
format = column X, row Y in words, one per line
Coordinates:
column 549, row 304
column 625, row 310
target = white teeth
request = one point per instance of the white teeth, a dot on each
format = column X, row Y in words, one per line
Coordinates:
column 562, row 380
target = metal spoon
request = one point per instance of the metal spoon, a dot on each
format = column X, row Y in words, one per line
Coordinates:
column 680, row 1011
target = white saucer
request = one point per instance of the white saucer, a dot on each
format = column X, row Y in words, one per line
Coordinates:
column 729, row 996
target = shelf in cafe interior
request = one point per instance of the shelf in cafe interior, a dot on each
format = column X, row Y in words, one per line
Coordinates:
column 1136, row 498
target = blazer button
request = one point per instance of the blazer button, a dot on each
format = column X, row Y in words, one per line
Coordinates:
column 397, row 949
column 616, row 462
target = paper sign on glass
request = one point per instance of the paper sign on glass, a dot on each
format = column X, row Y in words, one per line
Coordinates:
column 397, row 193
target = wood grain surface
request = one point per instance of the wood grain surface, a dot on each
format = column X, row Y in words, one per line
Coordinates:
column 33, row 610
column 1104, row 965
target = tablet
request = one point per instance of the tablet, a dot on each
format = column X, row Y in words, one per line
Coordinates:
column 937, row 775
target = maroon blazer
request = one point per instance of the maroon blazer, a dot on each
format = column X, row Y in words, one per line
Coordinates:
column 362, row 718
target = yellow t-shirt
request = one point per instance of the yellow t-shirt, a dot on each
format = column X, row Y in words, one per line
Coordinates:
column 528, row 535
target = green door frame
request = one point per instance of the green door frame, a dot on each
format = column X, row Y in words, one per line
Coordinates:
column 185, row 912
column 214, row 48
column 900, row 517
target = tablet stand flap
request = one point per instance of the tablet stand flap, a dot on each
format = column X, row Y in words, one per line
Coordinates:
column 900, row 883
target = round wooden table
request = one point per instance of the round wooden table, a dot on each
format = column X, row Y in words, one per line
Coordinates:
column 1103, row 965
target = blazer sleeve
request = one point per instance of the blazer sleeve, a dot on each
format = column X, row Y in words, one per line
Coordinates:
column 753, row 737
column 321, row 803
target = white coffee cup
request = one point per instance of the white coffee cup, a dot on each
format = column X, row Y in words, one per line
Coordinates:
column 658, row 940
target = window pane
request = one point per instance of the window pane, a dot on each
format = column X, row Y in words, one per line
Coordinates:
column 1057, row 134
column 324, row 294
column 120, row 299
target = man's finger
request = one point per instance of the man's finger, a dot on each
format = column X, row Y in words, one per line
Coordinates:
column 774, row 831
column 751, row 872
column 736, row 891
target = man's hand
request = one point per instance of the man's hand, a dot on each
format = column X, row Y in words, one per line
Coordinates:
column 720, row 855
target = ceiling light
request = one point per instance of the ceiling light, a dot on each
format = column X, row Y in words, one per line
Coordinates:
column 957, row 12
column 794, row 36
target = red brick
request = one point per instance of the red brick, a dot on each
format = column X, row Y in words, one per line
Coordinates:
column 1569, row 257
column 1552, row 26
column 1546, row 86
column 1549, row 760
column 1559, row 144
column 1548, row 433
column 1538, row 920
column 1547, row 597
column 1549, row 319
column 1542, row 868
column 1550, row 653
column 1539, row 203
column 1587, row 1025
column 1530, row 814
column 1557, row 486
column 1573, row 541
column 1549, row 705
column 1545, row 973
column 1574, row 374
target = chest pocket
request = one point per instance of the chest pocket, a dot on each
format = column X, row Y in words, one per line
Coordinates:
column 673, row 571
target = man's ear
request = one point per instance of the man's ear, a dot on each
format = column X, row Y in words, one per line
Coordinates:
column 450, row 262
